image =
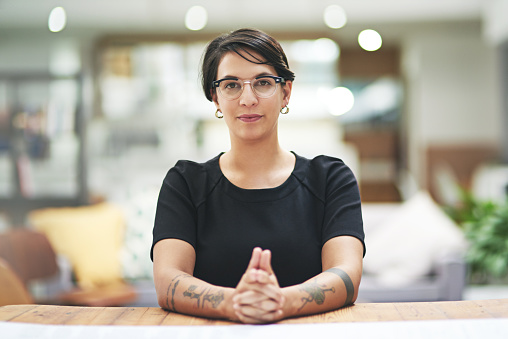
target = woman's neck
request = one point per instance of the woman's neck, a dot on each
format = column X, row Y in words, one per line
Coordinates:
column 257, row 165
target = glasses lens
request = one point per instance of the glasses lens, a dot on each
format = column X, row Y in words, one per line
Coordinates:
column 264, row 87
column 231, row 89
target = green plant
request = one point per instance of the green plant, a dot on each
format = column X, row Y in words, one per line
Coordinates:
column 465, row 210
column 488, row 236
column 485, row 225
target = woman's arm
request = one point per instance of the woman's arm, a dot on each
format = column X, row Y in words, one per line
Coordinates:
column 335, row 287
column 258, row 297
column 178, row 291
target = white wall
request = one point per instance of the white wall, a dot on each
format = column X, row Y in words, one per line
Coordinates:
column 453, row 94
column 23, row 54
column 33, row 51
column 495, row 23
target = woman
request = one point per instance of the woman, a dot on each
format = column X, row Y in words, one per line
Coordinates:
column 258, row 233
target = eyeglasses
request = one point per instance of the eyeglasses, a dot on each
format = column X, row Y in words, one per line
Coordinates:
column 263, row 86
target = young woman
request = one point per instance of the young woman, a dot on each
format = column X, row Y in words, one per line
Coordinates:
column 258, row 233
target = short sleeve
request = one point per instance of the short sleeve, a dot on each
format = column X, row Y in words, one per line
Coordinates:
column 176, row 213
column 343, row 214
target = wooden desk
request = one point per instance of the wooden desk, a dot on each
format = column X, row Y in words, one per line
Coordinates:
column 362, row 312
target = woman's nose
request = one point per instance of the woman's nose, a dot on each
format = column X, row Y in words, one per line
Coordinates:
column 248, row 97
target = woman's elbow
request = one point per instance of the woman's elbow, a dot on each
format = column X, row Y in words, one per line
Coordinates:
column 163, row 302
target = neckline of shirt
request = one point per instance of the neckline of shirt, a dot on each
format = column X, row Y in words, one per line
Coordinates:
column 259, row 194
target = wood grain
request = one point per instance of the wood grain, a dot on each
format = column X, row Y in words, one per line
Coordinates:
column 362, row 312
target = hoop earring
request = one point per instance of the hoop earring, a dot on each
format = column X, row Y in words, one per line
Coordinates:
column 218, row 114
column 284, row 110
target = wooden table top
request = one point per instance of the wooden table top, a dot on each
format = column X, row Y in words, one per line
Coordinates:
column 75, row 315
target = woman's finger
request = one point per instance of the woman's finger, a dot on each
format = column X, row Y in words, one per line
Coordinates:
column 256, row 316
column 256, row 300
column 253, row 311
column 255, row 258
column 248, row 320
column 265, row 262
column 268, row 305
column 249, row 297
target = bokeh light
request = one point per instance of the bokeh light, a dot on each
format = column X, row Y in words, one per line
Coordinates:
column 370, row 40
column 335, row 17
column 57, row 19
column 340, row 101
column 196, row 18
column 320, row 50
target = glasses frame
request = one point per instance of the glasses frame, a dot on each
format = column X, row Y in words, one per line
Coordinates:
column 278, row 80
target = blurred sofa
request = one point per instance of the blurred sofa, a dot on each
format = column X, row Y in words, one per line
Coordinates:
column 415, row 252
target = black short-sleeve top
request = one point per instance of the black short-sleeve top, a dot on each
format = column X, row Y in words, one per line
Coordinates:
column 198, row 204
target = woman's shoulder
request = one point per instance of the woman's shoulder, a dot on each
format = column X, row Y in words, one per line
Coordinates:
column 196, row 178
column 321, row 173
column 320, row 165
column 191, row 169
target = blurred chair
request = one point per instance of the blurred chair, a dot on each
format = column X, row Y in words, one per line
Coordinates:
column 32, row 258
column 12, row 289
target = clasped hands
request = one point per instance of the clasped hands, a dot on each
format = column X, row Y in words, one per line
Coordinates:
column 258, row 297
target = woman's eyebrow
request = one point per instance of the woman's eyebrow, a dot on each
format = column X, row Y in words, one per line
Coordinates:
column 230, row 77
column 262, row 74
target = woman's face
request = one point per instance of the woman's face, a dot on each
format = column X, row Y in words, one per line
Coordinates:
column 250, row 117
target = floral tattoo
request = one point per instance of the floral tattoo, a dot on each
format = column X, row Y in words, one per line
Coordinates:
column 315, row 291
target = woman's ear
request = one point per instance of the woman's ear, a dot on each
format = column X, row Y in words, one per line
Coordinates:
column 286, row 89
column 214, row 98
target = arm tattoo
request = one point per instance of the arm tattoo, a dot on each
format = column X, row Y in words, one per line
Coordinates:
column 315, row 291
column 172, row 287
column 350, row 288
column 206, row 295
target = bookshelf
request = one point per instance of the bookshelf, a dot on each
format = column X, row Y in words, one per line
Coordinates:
column 42, row 148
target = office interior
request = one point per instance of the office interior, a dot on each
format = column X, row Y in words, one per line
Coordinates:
column 96, row 108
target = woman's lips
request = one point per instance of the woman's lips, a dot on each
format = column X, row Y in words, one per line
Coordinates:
column 250, row 117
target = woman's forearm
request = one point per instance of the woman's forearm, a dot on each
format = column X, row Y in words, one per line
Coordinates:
column 331, row 289
column 180, row 292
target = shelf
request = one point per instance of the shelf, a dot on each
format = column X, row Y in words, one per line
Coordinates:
column 42, row 158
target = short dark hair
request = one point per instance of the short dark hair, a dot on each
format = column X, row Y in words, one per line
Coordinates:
column 243, row 40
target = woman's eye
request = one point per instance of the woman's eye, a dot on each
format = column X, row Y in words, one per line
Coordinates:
column 231, row 85
column 263, row 83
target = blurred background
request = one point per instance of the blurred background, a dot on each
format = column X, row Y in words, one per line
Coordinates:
column 98, row 99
